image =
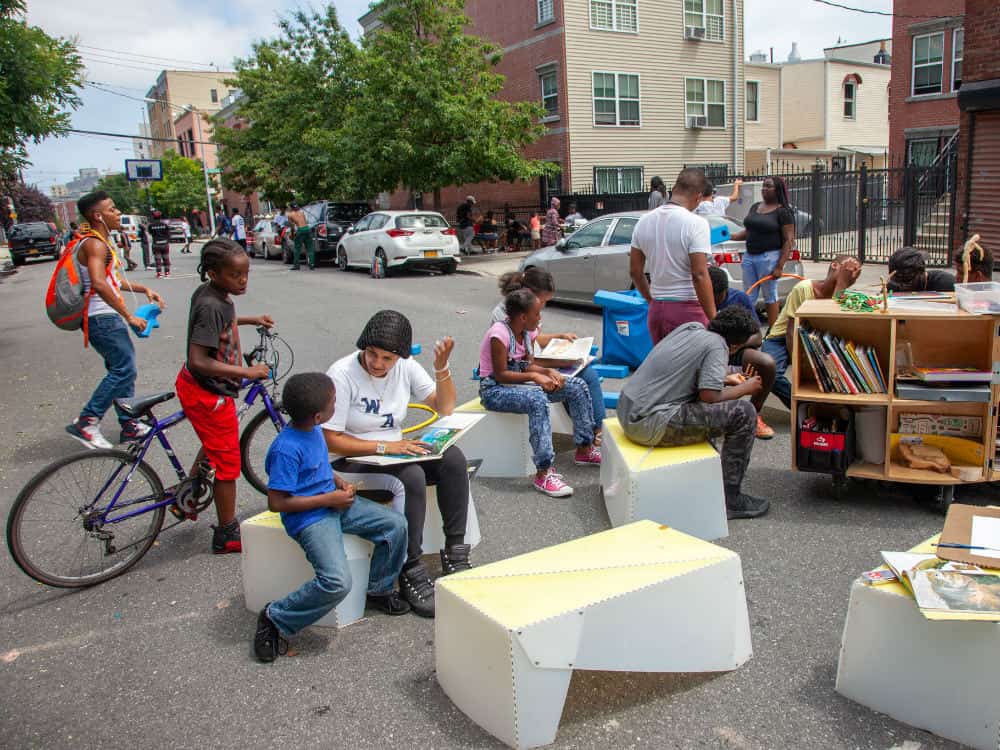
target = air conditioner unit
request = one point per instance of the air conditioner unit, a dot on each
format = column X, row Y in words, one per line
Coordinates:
column 699, row 121
column 694, row 32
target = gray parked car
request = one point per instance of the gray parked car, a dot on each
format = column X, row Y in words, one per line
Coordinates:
column 596, row 257
column 264, row 240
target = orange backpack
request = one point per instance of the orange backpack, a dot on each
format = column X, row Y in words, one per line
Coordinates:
column 66, row 302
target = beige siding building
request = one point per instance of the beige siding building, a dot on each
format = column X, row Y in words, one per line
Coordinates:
column 833, row 110
column 763, row 105
column 650, row 88
column 173, row 91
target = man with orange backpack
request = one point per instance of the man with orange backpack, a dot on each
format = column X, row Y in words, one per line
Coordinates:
column 105, row 318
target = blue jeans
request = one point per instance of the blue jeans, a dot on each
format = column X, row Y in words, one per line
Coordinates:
column 323, row 543
column 757, row 267
column 533, row 401
column 782, row 388
column 110, row 338
column 593, row 381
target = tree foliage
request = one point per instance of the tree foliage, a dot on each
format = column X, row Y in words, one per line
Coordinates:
column 39, row 79
column 127, row 196
column 416, row 106
column 428, row 114
column 30, row 203
column 294, row 89
column 182, row 188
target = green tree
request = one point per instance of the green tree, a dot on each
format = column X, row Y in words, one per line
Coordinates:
column 182, row 188
column 126, row 194
column 428, row 113
column 39, row 80
column 294, row 89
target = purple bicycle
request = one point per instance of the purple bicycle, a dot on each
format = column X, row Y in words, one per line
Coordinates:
column 89, row 517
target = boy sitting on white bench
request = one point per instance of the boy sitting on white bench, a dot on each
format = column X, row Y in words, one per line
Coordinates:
column 317, row 508
column 681, row 395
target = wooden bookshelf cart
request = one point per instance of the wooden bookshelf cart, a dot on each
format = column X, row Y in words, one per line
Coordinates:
column 955, row 339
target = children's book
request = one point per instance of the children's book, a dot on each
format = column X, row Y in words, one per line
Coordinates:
column 438, row 438
column 946, row 590
column 952, row 374
column 564, row 350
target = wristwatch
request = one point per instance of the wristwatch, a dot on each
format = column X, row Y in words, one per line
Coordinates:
column 380, row 449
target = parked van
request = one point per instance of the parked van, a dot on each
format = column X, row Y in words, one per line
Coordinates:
column 131, row 224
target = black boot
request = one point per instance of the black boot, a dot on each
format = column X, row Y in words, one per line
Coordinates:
column 455, row 558
column 416, row 587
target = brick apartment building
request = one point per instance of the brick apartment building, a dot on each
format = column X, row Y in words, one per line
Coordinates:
column 173, row 91
column 632, row 90
column 978, row 182
column 927, row 51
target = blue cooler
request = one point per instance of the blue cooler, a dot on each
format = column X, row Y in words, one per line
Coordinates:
column 625, row 337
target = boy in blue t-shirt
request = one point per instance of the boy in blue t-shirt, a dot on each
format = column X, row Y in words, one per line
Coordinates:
column 317, row 508
column 750, row 358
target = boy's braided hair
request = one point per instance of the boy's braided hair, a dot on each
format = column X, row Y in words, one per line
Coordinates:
column 216, row 253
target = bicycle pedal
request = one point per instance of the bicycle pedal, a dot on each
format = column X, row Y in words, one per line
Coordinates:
column 177, row 513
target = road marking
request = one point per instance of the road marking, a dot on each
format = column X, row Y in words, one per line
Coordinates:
column 92, row 635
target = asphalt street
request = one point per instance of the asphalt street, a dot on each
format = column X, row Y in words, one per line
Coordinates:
column 161, row 656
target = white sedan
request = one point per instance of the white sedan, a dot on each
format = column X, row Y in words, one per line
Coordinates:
column 384, row 241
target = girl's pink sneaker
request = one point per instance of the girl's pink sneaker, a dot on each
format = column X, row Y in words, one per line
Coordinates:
column 552, row 485
column 588, row 456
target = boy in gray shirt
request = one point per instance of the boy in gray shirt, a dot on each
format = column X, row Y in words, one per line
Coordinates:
column 681, row 395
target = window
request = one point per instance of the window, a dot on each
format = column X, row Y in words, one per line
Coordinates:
column 214, row 93
column 618, row 180
column 838, row 163
column 928, row 63
column 614, row 15
column 753, row 101
column 850, row 93
column 591, row 235
column 707, row 15
column 623, row 232
column 706, row 98
column 957, row 53
column 550, row 92
column 616, row 99
column 921, row 152
column 552, row 185
column 545, row 11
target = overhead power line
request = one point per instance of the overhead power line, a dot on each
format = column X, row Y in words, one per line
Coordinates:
column 866, row 11
column 121, row 53
column 137, row 137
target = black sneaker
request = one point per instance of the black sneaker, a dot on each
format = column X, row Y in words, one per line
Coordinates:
column 226, row 539
column 268, row 644
column 390, row 603
column 746, row 506
column 455, row 558
column 416, row 587
column 133, row 431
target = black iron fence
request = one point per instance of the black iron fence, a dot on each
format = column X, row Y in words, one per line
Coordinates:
column 864, row 212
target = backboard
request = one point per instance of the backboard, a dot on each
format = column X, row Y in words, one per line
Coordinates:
column 144, row 170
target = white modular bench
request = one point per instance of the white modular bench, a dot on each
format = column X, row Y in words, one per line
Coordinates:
column 939, row 676
column 640, row 598
column 274, row 564
column 501, row 440
column 680, row 487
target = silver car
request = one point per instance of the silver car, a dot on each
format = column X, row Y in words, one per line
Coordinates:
column 265, row 240
column 596, row 257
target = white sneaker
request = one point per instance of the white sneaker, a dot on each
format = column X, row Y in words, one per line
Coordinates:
column 87, row 430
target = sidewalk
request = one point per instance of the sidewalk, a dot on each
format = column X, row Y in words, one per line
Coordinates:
column 497, row 264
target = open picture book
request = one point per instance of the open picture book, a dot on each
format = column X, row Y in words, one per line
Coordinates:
column 439, row 437
column 569, row 357
column 947, row 590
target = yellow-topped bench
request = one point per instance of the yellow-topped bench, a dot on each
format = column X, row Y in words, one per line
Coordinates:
column 642, row 598
column 681, row 487
column 274, row 565
column 501, row 439
column 939, row 676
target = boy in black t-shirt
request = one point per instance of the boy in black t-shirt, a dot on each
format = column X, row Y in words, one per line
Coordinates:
column 907, row 273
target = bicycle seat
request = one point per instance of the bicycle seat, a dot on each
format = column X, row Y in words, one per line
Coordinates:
column 139, row 405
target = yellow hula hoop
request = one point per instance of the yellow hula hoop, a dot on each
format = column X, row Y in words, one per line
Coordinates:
column 434, row 415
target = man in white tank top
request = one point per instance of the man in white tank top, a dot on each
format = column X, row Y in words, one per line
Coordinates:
column 106, row 325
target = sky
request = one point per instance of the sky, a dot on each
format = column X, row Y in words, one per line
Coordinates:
column 127, row 43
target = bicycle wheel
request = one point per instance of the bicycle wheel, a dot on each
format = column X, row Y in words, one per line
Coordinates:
column 54, row 532
column 254, row 442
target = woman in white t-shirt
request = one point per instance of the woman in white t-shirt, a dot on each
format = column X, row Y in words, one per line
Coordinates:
column 374, row 386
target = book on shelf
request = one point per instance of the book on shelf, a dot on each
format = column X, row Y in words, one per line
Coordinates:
column 947, row 590
column 438, row 438
column 951, row 374
column 839, row 365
